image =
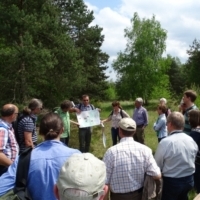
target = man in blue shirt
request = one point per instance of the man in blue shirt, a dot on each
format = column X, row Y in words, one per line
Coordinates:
column 140, row 116
column 175, row 156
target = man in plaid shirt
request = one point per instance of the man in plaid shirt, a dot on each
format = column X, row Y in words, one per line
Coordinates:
column 127, row 163
column 8, row 145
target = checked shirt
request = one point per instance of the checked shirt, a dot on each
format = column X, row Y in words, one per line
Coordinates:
column 126, row 165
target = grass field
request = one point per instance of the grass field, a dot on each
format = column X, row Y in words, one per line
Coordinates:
column 97, row 147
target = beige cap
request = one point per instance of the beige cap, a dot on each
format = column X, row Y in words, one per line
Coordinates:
column 83, row 172
column 127, row 124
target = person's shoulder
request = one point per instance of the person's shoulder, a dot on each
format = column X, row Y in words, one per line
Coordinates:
column 143, row 147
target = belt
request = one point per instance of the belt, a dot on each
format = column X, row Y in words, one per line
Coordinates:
column 136, row 191
column 140, row 126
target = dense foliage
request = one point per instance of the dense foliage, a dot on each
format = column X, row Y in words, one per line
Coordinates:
column 49, row 51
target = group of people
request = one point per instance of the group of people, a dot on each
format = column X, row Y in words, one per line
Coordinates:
column 128, row 170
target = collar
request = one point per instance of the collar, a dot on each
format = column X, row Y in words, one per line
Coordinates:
column 162, row 115
column 126, row 139
column 190, row 107
column 175, row 131
column 9, row 125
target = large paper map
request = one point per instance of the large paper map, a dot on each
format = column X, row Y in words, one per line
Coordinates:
column 88, row 118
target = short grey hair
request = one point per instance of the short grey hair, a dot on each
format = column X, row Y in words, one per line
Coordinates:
column 164, row 100
column 177, row 120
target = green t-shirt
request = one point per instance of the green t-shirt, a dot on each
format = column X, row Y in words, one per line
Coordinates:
column 66, row 121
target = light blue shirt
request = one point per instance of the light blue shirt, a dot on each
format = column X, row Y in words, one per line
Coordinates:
column 176, row 154
column 160, row 126
column 46, row 161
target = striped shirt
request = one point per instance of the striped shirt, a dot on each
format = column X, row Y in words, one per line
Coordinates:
column 27, row 124
column 126, row 165
column 8, row 143
column 187, row 127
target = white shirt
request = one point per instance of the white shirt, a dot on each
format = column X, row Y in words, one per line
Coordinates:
column 176, row 154
column 126, row 164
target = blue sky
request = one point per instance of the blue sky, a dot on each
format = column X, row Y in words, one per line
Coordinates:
column 181, row 19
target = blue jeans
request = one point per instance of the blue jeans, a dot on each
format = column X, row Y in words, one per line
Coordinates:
column 177, row 188
column 84, row 139
column 115, row 135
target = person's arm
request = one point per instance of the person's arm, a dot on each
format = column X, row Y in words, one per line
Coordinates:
column 73, row 122
column 159, row 155
column 74, row 109
column 106, row 120
column 8, row 178
column 145, row 115
column 28, row 139
column 157, row 126
column 106, row 197
column 4, row 160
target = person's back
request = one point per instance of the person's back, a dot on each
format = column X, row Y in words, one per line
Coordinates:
column 46, row 161
column 27, row 123
column 175, row 155
column 127, row 163
column 134, row 155
column 179, row 155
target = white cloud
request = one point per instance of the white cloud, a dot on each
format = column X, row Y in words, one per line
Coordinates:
column 179, row 17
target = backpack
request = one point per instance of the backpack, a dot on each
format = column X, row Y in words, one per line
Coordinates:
column 121, row 113
column 20, row 192
column 80, row 104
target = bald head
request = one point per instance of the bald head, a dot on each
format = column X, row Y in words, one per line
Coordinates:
column 9, row 112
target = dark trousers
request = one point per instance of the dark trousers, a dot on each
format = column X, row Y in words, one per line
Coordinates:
column 177, row 188
column 3, row 169
column 197, row 178
column 84, row 139
column 136, row 195
column 115, row 135
column 65, row 140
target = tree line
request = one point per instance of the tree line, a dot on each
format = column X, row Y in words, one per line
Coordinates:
column 49, row 50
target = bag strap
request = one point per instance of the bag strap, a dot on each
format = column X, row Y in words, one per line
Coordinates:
column 121, row 113
column 22, row 173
